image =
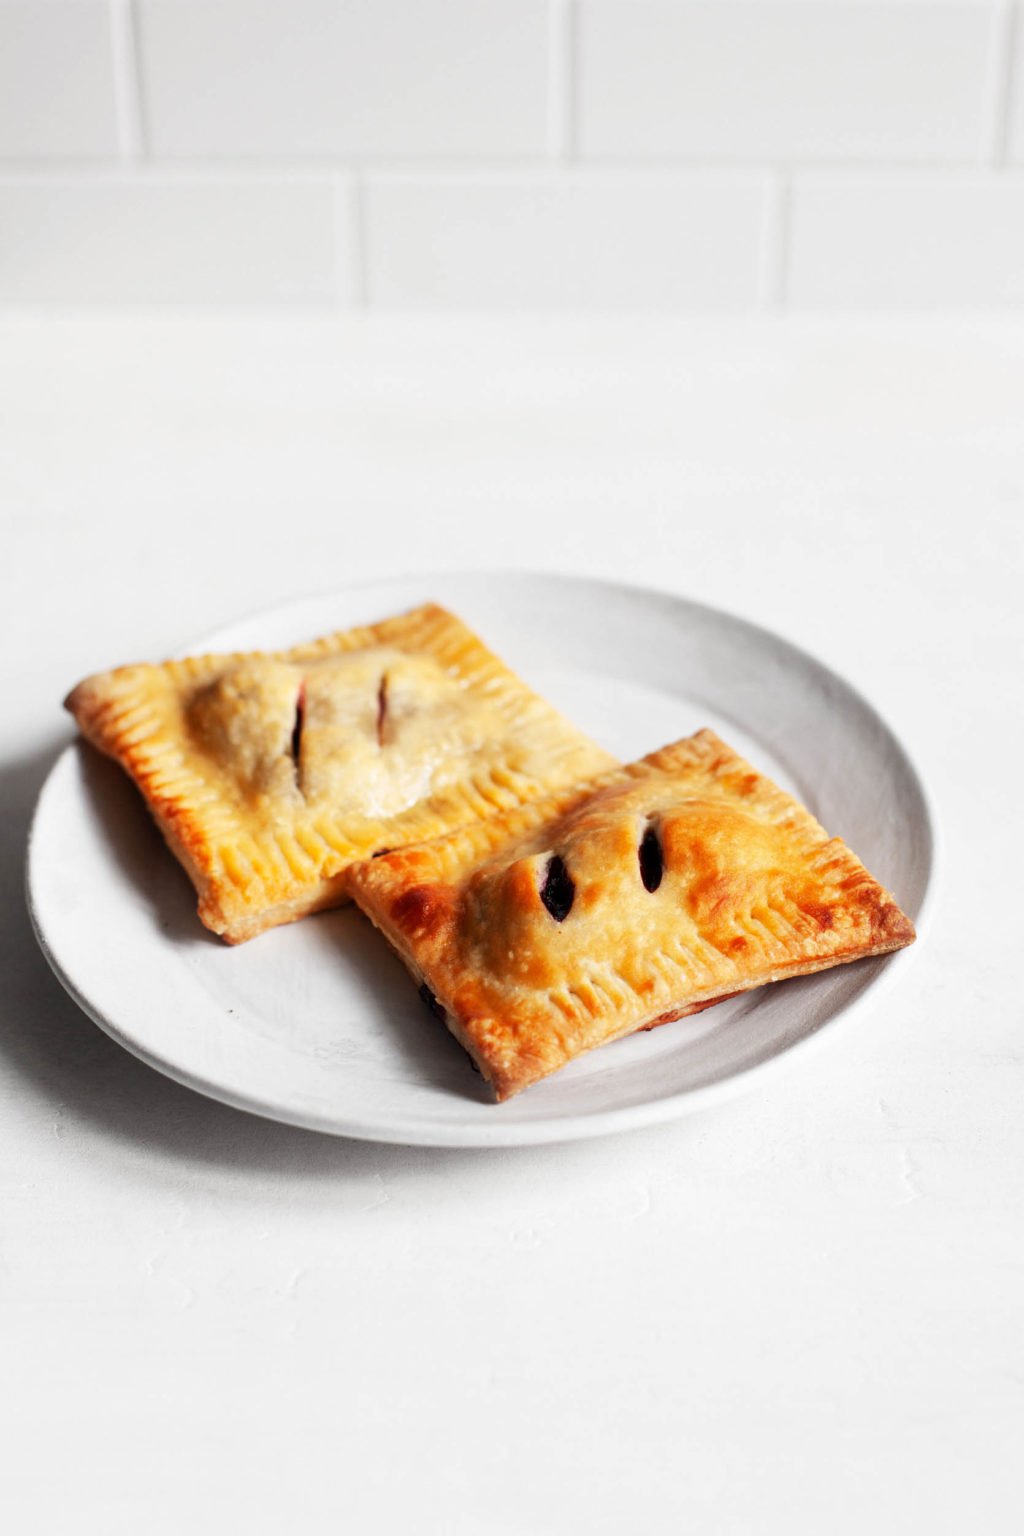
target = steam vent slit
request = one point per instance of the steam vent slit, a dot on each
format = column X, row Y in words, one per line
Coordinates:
column 558, row 890
column 652, row 860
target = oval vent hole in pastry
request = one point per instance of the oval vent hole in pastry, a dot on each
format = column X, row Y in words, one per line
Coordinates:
column 558, row 889
column 300, row 717
column 652, row 860
column 382, row 708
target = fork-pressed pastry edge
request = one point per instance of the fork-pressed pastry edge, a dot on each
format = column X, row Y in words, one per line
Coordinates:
column 253, row 872
column 416, row 897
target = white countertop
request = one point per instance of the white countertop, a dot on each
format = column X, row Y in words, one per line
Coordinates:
column 801, row 1312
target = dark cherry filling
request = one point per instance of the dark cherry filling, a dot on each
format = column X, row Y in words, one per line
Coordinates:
column 295, row 746
column 382, row 709
column 432, row 1003
column 558, row 890
column 380, row 852
column 652, row 860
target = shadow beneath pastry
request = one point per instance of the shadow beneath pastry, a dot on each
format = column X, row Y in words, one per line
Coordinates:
column 342, row 940
column 137, row 848
column 104, row 1102
column 389, row 1004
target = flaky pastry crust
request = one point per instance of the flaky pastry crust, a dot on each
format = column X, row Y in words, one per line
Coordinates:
column 645, row 895
column 269, row 774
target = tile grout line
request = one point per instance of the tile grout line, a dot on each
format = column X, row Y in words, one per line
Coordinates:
column 127, row 80
column 560, row 78
column 351, row 277
column 773, row 253
column 998, row 84
column 421, row 171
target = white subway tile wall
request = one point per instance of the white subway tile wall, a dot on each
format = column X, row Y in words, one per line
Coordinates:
column 172, row 240
column 344, row 77
column 580, row 240
column 782, row 81
column 56, row 80
column 513, row 154
column 921, row 243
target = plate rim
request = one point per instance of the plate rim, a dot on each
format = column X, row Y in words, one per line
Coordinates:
column 557, row 1128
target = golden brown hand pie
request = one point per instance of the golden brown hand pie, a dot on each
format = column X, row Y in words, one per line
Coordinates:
column 650, row 893
column 269, row 774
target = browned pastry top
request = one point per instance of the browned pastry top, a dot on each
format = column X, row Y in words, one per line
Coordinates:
column 638, row 897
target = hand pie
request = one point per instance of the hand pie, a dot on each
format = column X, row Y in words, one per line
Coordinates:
column 269, row 775
column 649, row 893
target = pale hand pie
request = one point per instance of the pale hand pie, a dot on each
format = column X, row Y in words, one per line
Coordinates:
column 647, row 894
column 270, row 774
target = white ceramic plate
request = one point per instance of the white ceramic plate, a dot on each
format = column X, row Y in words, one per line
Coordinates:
column 317, row 1024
